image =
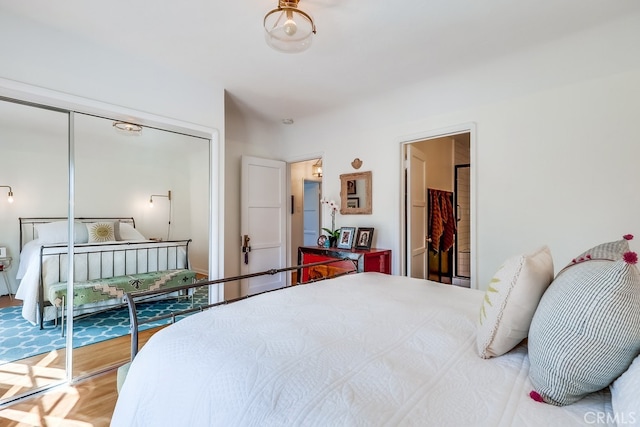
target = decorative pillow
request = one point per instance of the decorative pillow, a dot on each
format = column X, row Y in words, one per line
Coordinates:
column 57, row 232
column 625, row 395
column 585, row 331
column 125, row 231
column 101, row 232
column 511, row 300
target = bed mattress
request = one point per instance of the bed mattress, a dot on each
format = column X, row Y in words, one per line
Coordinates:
column 366, row 349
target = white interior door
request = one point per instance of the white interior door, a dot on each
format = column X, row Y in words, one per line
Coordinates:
column 417, row 213
column 262, row 223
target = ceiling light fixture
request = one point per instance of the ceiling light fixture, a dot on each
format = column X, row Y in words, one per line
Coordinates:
column 317, row 168
column 287, row 28
column 128, row 127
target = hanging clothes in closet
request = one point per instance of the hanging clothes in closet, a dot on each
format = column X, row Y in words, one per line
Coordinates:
column 442, row 219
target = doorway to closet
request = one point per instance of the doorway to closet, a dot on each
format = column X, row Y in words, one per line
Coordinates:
column 438, row 208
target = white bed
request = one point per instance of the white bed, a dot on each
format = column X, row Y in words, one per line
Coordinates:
column 363, row 349
column 43, row 261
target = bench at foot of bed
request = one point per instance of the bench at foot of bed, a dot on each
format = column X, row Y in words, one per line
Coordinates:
column 110, row 291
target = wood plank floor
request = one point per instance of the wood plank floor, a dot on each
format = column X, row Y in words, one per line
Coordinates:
column 88, row 403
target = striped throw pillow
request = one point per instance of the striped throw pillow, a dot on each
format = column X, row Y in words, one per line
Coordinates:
column 585, row 332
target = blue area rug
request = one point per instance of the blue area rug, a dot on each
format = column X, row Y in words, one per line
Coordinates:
column 19, row 339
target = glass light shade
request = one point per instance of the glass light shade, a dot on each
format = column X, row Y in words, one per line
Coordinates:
column 288, row 29
column 317, row 168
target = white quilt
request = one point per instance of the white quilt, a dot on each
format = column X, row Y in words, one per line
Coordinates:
column 363, row 350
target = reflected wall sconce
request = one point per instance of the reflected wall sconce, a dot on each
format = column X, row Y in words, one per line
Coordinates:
column 287, row 28
column 168, row 196
column 129, row 128
column 10, row 194
column 317, row 168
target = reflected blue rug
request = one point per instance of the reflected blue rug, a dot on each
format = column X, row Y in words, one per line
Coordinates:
column 20, row 339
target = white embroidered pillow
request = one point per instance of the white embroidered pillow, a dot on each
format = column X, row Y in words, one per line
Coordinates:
column 511, row 300
column 101, row 232
column 625, row 395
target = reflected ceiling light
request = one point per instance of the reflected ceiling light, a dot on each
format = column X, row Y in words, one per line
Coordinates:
column 128, row 127
column 287, row 28
column 10, row 194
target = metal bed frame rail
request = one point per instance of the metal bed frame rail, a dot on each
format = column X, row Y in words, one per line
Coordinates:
column 128, row 251
column 131, row 297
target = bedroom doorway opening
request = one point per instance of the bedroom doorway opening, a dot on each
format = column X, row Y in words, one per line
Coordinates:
column 306, row 216
column 438, row 208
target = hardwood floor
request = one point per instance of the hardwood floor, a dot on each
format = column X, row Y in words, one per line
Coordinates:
column 87, row 403
column 5, row 301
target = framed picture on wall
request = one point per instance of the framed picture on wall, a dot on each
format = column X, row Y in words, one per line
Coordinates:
column 351, row 186
column 345, row 240
column 364, row 237
column 353, row 202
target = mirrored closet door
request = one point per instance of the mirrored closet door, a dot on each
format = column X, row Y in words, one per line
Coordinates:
column 58, row 164
column 34, row 171
column 142, row 204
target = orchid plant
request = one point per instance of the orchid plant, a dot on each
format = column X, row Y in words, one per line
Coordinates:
column 333, row 209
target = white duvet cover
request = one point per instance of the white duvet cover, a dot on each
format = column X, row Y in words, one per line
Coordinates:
column 365, row 350
column 87, row 264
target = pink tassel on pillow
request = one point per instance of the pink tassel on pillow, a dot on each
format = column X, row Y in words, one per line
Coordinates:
column 536, row 396
column 627, row 236
column 630, row 257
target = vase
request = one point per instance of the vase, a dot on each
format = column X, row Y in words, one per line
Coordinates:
column 333, row 242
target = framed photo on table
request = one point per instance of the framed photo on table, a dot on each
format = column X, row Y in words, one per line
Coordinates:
column 364, row 237
column 345, row 240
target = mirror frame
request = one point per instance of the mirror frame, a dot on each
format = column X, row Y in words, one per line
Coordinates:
column 363, row 210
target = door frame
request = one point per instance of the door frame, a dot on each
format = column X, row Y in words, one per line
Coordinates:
column 432, row 134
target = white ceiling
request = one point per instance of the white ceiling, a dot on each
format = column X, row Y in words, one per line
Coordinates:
column 361, row 47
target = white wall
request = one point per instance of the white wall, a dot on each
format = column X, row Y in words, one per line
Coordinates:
column 46, row 57
column 556, row 154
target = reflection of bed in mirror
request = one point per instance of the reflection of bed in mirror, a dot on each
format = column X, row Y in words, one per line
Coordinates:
column 110, row 258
